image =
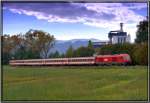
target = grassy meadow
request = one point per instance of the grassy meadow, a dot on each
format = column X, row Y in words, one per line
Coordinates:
column 75, row 83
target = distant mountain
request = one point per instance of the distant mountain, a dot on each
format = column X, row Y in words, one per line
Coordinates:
column 62, row 45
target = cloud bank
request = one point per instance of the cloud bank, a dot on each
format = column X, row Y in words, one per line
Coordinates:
column 101, row 15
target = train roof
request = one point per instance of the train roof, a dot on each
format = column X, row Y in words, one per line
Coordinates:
column 55, row 59
column 111, row 55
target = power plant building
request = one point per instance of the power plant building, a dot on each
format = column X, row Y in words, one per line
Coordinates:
column 119, row 36
column 115, row 37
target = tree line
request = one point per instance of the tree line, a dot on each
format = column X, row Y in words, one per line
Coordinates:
column 35, row 44
column 79, row 52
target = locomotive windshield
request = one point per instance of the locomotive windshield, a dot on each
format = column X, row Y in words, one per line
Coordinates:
column 126, row 57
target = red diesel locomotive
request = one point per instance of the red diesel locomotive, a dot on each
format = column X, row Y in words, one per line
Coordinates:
column 117, row 59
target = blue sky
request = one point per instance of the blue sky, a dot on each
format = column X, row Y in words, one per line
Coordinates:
column 73, row 20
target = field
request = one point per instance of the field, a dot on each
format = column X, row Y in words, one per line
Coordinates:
column 75, row 83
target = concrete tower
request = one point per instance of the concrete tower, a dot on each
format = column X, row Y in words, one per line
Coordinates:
column 121, row 27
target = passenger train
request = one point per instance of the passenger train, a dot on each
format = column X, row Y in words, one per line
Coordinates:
column 117, row 59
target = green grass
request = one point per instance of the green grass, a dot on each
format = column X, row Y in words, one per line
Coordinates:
column 75, row 83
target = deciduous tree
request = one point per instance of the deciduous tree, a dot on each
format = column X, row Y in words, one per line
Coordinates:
column 40, row 42
column 142, row 32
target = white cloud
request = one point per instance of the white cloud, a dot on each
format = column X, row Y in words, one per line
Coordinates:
column 15, row 11
column 121, row 12
column 48, row 17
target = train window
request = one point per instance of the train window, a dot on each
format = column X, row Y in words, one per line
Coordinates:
column 126, row 57
column 20, row 61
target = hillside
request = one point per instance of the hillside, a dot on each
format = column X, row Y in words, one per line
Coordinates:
column 62, row 45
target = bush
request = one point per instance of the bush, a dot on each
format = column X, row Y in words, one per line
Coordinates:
column 84, row 52
column 116, row 49
column 140, row 55
column 5, row 58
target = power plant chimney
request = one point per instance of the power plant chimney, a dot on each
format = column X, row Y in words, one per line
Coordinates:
column 121, row 27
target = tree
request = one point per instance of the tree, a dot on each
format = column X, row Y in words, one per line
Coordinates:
column 84, row 52
column 142, row 32
column 90, row 45
column 10, row 45
column 17, row 45
column 70, row 52
column 54, row 55
column 7, row 44
column 6, row 47
column 40, row 42
column 51, row 55
column 116, row 49
column 140, row 54
column 62, row 55
column 13, row 47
